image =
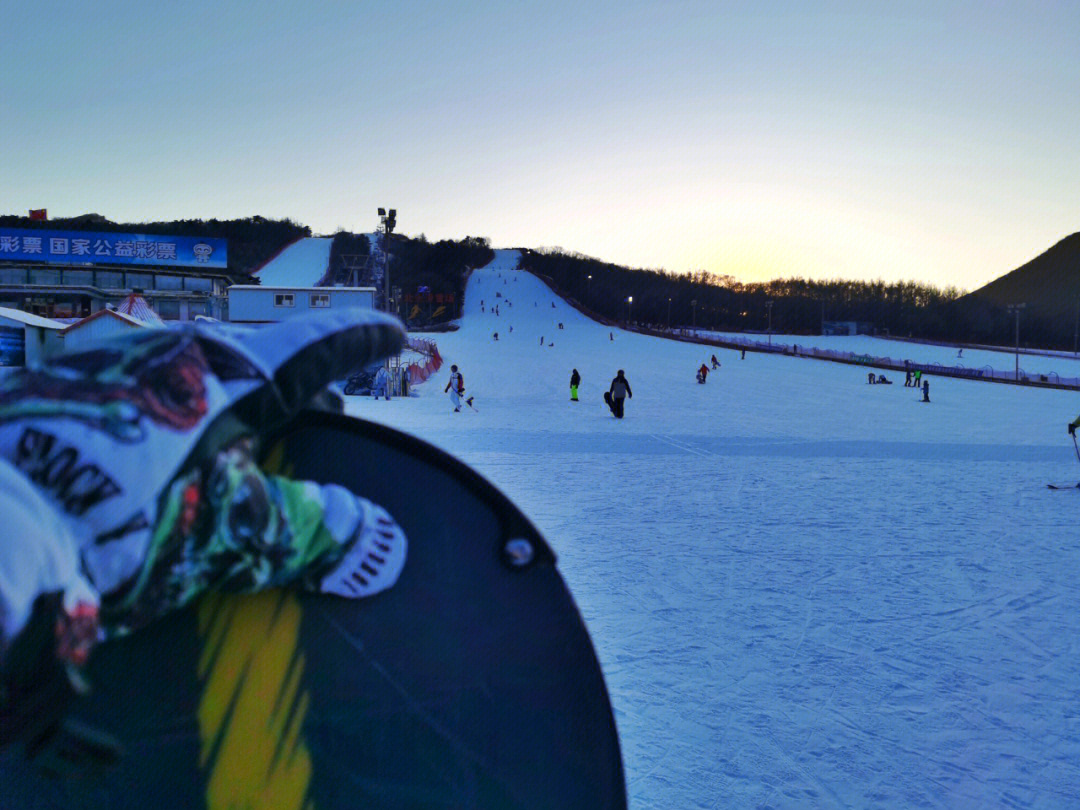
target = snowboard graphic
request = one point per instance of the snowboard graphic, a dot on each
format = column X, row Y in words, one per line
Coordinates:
column 471, row 683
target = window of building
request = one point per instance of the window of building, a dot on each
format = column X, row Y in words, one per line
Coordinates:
column 40, row 275
column 284, row 300
column 319, row 300
column 13, row 275
column 83, row 278
column 109, row 279
column 198, row 284
column 140, row 281
column 169, row 282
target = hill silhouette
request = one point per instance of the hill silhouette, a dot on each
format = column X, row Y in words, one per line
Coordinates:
column 1049, row 285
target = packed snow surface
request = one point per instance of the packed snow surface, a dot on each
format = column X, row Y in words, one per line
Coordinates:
column 301, row 264
column 805, row 591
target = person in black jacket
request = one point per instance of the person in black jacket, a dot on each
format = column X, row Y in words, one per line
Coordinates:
column 617, row 394
column 575, row 381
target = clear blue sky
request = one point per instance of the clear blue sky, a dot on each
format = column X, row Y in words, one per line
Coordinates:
column 930, row 141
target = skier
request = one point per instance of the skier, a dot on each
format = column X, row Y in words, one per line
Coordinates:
column 907, row 378
column 382, row 384
column 617, row 394
column 871, row 378
column 456, row 387
column 495, row 336
column 715, row 362
column 916, row 379
column 926, row 391
column 575, row 381
column 99, row 541
column 959, row 353
column 743, row 355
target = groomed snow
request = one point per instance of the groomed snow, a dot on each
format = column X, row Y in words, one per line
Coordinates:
column 805, row 591
column 301, row 264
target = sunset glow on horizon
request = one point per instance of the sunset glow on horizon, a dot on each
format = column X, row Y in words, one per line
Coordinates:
column 914, row 141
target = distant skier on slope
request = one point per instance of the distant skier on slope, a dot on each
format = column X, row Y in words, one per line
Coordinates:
column 128, row 488
column 715, row 362
column 575, row 381
column 702, row 373
column 616, row 395
column 381, row 384
column 456, row 386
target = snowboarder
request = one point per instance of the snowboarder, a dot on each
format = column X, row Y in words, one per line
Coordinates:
column 702, row 373
column 871, row 378
column 575, row 381
column 99, row 543
column 743, row 355
column 616, row 395
column 916, row 379
column 907, row 378
column 456, row 386
column 382, row 384
column 960, row 353
column 926, row 391
column 611, row 336
column 495, row 336
column 883, row 380
column 715, row 362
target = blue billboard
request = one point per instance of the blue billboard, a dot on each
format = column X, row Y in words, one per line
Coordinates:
column 80, row 247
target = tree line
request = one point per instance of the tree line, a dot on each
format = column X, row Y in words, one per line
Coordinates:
column 798, row 305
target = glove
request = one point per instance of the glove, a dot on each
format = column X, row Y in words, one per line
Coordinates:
column 376, row 552
column 82, row 427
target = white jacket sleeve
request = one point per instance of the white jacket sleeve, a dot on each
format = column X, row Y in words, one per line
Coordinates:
column 38, row 554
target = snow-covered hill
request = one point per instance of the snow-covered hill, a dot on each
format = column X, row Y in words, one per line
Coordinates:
column 301, row 264
column 805, row 591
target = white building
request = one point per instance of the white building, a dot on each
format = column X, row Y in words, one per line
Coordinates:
column 102, row 325
column 254, row 303
column 26, row 339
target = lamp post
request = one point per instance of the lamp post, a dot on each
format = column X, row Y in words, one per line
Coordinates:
column 693, row 323
column 768, row 306
column 1014, row 309
column 588, row 287
column 388, row 221
column 629, row 309
column 669, row 314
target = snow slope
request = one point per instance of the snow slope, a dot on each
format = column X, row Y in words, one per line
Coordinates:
column 805, row 591
column 927, row 353
column 301, row 264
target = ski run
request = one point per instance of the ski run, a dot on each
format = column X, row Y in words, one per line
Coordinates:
column 805, row 591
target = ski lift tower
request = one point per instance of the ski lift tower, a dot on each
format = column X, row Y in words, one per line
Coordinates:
column 388, row 221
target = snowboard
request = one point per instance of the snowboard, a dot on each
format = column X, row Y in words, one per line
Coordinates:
column 471, row 683
column 608, row 402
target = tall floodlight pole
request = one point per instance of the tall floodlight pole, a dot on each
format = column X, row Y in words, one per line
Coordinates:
column 630, row 309
column 669, row 313
column 388, row 221
column 1015, row 310
column 768, row 306
column 693, row 323
column 588, row 287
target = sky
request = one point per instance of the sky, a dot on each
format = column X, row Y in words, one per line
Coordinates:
column 931, row 141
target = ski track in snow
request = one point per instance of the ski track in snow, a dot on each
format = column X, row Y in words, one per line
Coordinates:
column 805, row 592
